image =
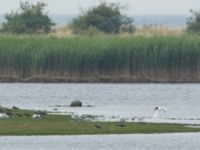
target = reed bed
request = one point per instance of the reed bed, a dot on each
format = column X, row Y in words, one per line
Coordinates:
column 101, row 58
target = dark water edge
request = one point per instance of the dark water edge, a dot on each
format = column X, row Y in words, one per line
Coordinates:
column 104, row 79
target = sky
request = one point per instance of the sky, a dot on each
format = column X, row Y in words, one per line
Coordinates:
column 134, row 7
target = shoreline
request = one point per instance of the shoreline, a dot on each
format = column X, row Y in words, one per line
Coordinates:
column 21, row 122
column 43, row 79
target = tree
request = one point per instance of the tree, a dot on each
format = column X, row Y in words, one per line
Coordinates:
column 193, row 23
column 104, row 17
column 28, row 19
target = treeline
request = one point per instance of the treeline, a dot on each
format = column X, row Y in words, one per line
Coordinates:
column 105, row 18
column 100, row 59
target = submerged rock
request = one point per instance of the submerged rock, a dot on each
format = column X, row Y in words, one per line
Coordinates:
column 76, row 103
column 89, row 106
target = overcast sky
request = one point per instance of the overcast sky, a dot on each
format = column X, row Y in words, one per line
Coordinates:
column 134, row 7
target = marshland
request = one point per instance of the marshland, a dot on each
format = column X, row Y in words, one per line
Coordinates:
column 100, row 58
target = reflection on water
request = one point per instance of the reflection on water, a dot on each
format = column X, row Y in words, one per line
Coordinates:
column 183, row 141
column 122, row 100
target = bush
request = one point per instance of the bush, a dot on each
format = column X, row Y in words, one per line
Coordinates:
column 105, row 17
column 193, row 23
column 91, row 31
column 28, row 19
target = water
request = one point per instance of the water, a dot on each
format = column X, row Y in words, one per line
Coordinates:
column 119, row 100
column 183, row 141
column 122, row 100
column 139, row 20
column 161, row 20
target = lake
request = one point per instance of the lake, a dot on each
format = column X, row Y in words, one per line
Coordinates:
column 119, row 100
column 181, row 141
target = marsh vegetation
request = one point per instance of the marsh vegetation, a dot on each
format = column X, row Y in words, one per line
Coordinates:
column 100, row 58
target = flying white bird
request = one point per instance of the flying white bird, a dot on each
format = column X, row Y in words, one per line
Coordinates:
column 158, row 111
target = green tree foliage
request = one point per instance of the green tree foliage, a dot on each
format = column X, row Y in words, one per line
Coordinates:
column 193, row 23
column 105, row 18
column 30, row 18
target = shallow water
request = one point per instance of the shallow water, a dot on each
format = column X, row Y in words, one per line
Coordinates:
column 120, row 100
column 183, row 141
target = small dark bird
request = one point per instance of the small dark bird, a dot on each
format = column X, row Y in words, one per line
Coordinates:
column 18, row 114
column 15, row 108
column 97, row 126
column 120, row 124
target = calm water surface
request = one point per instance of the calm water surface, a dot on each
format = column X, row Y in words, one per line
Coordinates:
column 184, row 141
column 125, row 100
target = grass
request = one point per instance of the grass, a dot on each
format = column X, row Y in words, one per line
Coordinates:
column 152, row 30
column 65, row 125
column 100, row 58
column 145, row 30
